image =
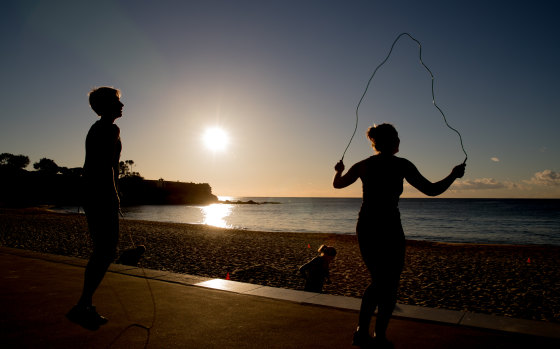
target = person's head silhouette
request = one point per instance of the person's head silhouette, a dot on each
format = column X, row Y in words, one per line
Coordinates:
column 105, row 102
column 384, row 138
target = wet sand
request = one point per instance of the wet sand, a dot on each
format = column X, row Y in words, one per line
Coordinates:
column 507, row 280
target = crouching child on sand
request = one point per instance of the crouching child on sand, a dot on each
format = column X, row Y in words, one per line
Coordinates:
column 316, row 271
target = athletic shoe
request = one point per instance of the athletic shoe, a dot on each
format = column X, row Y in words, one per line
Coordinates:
column 367, row 341
column 362, row 340
column 87, row 317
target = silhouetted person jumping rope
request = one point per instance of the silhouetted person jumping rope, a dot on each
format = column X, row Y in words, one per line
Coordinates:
column 380, row 233
column 101, row 200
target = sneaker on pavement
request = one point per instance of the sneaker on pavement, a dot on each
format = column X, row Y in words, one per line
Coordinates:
column 87, row 317
column 362, row 340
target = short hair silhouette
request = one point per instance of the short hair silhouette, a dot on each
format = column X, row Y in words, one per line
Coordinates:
column 99, row 98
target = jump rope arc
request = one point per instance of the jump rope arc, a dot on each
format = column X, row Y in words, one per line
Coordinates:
column 146, row 328
column 433, row 95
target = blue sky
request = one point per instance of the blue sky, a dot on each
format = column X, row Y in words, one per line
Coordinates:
column 283, row 79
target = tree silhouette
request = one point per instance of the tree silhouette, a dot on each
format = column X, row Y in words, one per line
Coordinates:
column 125, row 169
column 12, row 161
column 46, row 166
column 53, row 184
column 75, row 171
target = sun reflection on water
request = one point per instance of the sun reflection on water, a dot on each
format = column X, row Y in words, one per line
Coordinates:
column 216, row 214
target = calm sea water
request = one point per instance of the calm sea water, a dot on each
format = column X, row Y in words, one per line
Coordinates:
column 500, row 221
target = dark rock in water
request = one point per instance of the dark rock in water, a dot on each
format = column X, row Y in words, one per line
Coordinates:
column 250, row 202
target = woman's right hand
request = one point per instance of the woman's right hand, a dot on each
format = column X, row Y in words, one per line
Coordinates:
column 339, row 167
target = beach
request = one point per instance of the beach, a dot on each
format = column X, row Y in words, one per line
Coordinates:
column 506, row 280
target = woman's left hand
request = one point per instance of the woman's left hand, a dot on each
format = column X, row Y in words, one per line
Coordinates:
column 459, row 171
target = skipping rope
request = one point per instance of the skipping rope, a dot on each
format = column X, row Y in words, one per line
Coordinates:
column 144, row 327
column 433, row 96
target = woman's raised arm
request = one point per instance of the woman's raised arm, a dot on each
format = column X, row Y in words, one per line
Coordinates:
column 415, row 178
column 342, row 181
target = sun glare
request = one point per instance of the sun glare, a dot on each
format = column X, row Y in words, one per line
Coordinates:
column 216, row 215
column 216, row 139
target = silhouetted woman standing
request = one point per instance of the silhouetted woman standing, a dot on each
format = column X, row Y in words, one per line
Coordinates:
column 379, row 230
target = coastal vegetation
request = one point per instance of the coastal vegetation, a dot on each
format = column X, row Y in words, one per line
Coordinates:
column 50, row 184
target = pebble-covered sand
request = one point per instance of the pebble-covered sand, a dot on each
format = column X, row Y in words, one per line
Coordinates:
column 515, row 281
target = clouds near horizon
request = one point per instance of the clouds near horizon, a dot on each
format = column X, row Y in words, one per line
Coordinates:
column 545, row 178
column 479, row 184
column 542, row 180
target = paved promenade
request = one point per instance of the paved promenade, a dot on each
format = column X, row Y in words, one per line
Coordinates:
column 36, row 290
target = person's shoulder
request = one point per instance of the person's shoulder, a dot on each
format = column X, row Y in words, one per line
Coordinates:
column 96, row 127
column 359, row 167
column 309, row 264
column 374, row 160
column 103, row 129
column 101, row 125
column 401, row 160
column 404, row 163
column 365, row 161
column 108, row 127
column 316, row 260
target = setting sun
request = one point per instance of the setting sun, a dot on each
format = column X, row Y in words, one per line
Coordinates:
column 215, row 139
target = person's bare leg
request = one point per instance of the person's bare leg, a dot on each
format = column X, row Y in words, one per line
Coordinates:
column 93, row 275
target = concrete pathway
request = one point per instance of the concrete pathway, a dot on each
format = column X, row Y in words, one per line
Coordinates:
column 194, row 312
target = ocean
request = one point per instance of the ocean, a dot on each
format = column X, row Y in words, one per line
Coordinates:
column 493, row 221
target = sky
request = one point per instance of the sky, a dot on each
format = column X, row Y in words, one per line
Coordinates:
column 282, row 79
